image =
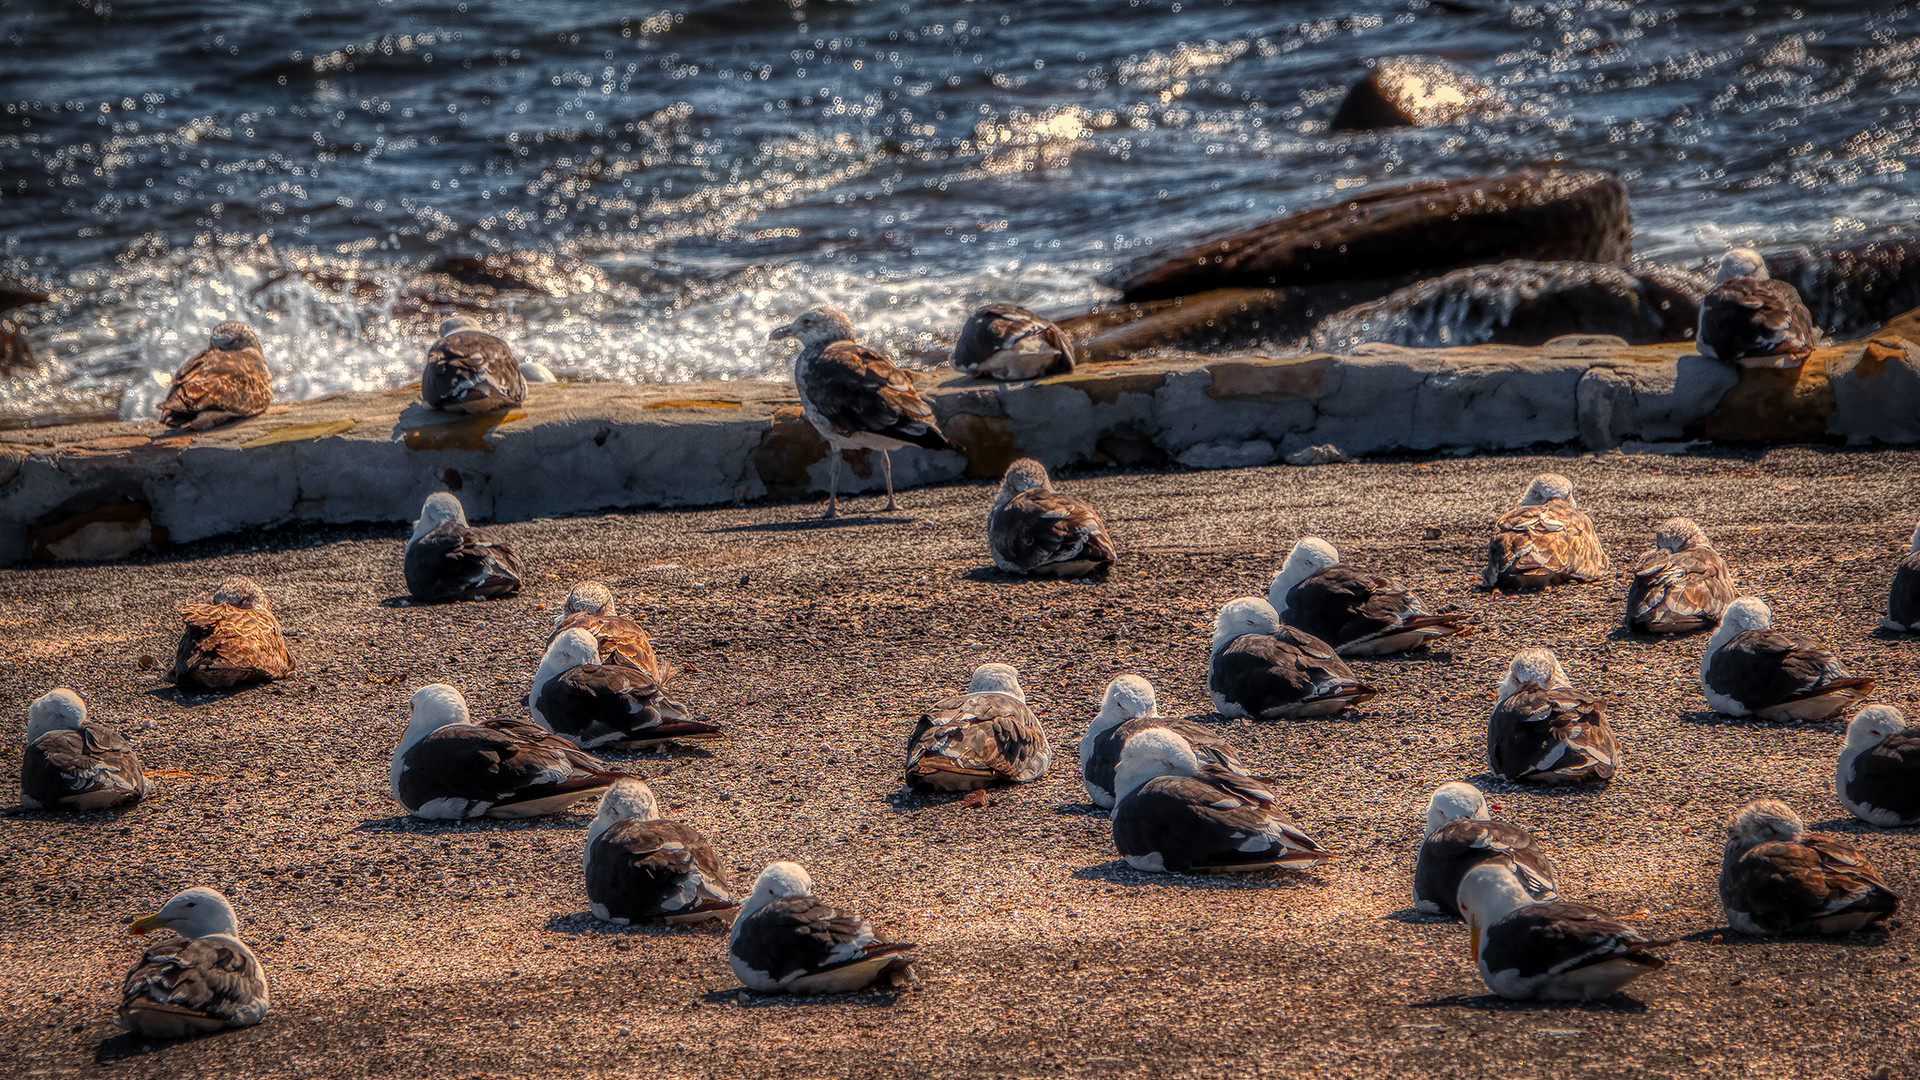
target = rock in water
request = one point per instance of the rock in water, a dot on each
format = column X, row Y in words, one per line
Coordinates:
column 1414, row 91
column 1414, row 228
column 1853, row 291
column 14, row 350
column 525, row 271
column 1522, row 303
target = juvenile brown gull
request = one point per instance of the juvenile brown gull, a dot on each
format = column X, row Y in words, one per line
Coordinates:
column 233, row 639
column 226, row 381
column 1546, row 540
column 1779, row 877
column 1681, row 584
column 470, row 371
column 983, row 737
column 1748, row 316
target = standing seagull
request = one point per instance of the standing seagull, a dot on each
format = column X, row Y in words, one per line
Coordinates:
column 787, row 940
column 855, row 397
column 470, row 371
column 1751, row 669
column 1878, row 774
column 226, row 381
column 1358, row 614
column 1680, row 584
column 204, row 980
column 1263, row 670
column 1903, row 596
column 1033, row 529
column 447, row 559
column 1748, row 314
column 1546, row 540
column 1006, row 341
column 1779, row 877
column 71, row 763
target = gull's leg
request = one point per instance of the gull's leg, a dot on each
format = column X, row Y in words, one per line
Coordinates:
column 833, row 487
column 886, row 466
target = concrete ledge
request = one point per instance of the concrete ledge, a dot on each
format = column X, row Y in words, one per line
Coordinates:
column 95, row 491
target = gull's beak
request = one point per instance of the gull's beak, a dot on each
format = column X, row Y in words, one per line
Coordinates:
column 148, row 922
column 1476, row 944
column 783, row 333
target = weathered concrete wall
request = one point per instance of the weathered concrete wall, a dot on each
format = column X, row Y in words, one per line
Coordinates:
column 104, row 490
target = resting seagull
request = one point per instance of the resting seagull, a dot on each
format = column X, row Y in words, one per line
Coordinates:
column 1550, row 950
column 1680, row 584
column 1358, row 614
column 1008, row 342
column 1903, row 596
column 1778, row 877
column 1462, row 833
column 447, row 559
column 225, row 382
column 1179, row 815
column 1264, row 670
column 449, row 767
column 856, row 398
column 1036, row 530
column 206, row 979
column 471, row 371
column 590, row 607
column 1544, row 730
column 1546, row 540
column 1128, row 709
column 983, row 737
column 1749, row 315
column 71, row 763
column 232, row 639
column 606, row 705
column 1751, row 669
column 786, row 940
column 641, row 869
column 1878, row 774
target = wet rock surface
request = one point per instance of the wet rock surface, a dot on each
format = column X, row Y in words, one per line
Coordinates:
column 413, row 950
column 1417, row 228
column 1852, row 291
column 1415, row 91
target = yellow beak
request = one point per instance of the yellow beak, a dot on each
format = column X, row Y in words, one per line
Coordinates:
column 149, row 922
column 1476, row 944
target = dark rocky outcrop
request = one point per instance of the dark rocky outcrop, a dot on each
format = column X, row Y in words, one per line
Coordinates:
column 1421, row 229
column 1414, row 91
column 18, row 292
column 15, row 353
column 1523, row 303
column 524, row 271
column 1850, row 291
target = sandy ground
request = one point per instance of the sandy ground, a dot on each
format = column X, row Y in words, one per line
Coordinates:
column 402, row 949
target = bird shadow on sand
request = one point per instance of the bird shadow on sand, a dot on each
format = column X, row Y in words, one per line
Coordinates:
column 587, row 925
column 745, row 998
column 1416, row 917
column 125, row 1044
column 406, row 823
column 1117, row 872
column 1496, row 786
column 1714, row 718
column 1727, row 935
column 1079, row 809
column 810, row 524
column 1617, row 1003
column 188, row 699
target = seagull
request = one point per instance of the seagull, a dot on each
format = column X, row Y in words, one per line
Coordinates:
column 590, row 607
column 1778, row 877
column 1546, row 540
column 1749, row 315
column 1903, row 596
column 1751, row 669
column 471, row 371
column 983, row 737
column 206, row 979
column 231, row 640
column 1264, row 670
column 1878, row 774
column 641, row 869
column 1128, row 709
column 855, row 397
column 1008, row 342
column 1036, row 530
column 447, row 559
column 225, row 382
column 1680, row 584
column 1462, row 834
column 449, row 767
column 1550, row 950
column 606, row 705
column 1544, row 731
column 1358, row 614
column 785, row 940
column 1179, row 815
column 71, row 763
